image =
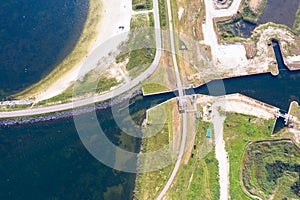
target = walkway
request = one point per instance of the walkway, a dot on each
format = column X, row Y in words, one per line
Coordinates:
column 181, row 99
column 104, row 97
column 221, row 153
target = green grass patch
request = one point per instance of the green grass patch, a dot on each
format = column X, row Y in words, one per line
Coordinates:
column 153, row 88
column 84, row 87
column 239, row 130
column 199, row 177
column 252, row 16
column 138, row 5
column 163, row 14
column 295, row 110
column 150, row 184
column 140, row 47
column 272, row 168
column 296, row 26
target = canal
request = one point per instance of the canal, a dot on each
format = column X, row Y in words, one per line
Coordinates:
column 47, row 160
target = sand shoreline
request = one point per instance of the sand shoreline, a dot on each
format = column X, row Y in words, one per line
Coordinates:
column 112, row 17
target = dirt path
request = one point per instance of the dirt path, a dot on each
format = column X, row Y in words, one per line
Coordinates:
column 221, row 153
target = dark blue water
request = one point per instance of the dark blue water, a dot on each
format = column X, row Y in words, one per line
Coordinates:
column 276, row 11
column 35, row 36
column 48, row 161
column 280, row 12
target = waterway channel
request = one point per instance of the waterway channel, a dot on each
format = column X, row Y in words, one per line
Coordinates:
column 47, row 160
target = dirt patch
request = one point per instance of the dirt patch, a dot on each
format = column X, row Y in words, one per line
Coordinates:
column 250, row 49
column 190, row 22
column 255, row 4
column 176, row 127
column 191, row 133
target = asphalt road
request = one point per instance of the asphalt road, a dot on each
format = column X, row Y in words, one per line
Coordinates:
column 184, row 116
column 211, row 13
column 99, row 98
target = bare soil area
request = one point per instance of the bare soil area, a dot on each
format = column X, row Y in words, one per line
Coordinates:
column 176, row 127
column 255, row 4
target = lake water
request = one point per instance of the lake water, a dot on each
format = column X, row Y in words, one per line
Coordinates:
column 35, row 36
column 47, row 160
column 280, row 12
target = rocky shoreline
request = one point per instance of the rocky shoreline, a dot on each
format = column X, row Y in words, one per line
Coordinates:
column 66, row 114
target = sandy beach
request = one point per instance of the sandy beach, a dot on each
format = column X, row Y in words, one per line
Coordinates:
column 112, row 18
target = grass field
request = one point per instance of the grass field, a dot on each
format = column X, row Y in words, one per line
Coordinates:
column 162, row 80
column 163, row 14
column 138, row 5
column 199, row 178
column 82, row 88
column 239, row 130
column 272, row 169
column 188, row 31
column 149, row 185
column 139, row 49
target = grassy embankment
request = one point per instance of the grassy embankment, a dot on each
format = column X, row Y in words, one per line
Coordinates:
column 97, row 80
column 163, row 79
column 149, row 185
column 240, row 130
column 192, row 60
column 77, row 55
column 296, row 26
column 199, row 177
column 190, row 25
column 272, row 169
column 138, row 5
column 295, row 110
column 139, row 50
column 159, row 81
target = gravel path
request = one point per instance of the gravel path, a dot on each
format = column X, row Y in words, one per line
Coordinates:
column 221, row 153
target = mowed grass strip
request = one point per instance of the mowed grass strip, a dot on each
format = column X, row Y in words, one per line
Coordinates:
column 199, row 178
column 149, row 184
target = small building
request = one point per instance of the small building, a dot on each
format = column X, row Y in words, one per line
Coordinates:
column 208, row 133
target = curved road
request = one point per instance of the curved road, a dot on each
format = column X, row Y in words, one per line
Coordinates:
column 99, row 98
